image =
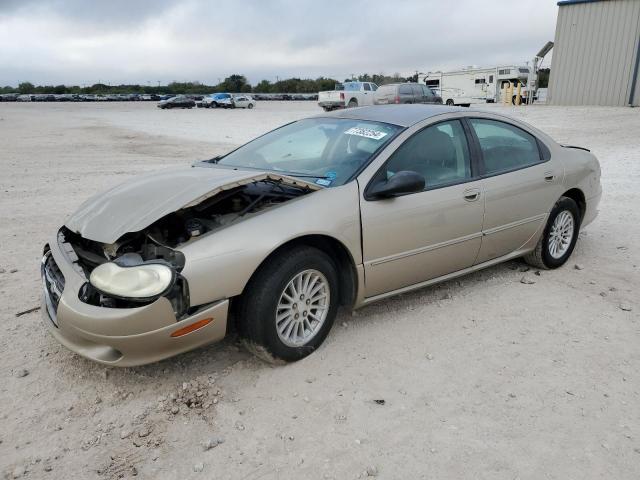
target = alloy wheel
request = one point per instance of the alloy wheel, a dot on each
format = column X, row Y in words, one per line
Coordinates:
column 302, row 308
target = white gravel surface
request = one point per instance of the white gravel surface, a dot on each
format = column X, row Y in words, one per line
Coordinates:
column 484, row 377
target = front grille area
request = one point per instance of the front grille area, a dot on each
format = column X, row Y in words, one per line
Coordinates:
column 53, row 283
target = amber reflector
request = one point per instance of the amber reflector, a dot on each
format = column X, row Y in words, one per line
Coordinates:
column 190, row 328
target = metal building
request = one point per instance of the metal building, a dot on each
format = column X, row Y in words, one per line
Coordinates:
column 596, row 56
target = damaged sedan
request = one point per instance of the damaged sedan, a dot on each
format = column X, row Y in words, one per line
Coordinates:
column 339, row 210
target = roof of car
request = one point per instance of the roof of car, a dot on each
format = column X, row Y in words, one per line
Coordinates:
column 401, row 115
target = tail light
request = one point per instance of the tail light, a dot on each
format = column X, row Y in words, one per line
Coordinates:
column 341, row 96
column 397, row 99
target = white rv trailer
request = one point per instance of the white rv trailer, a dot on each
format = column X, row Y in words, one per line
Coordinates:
column 477, row 85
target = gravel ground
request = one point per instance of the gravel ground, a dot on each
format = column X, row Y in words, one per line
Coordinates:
column 482, row 377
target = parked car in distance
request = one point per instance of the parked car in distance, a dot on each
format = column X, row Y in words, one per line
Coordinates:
column 9, row 97
column 179, row 101
column 43, row 97
column 405, row 93
column 349, row 94
column 217, row 100
column 243, row 101
column 287, row 228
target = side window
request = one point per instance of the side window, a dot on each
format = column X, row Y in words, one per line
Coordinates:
column 504, row 146
column 439, row 153
column 374, row 87
column 417, row 92
column 367, row 87
column 404, row 90
column 490, row 78
column 426, row 91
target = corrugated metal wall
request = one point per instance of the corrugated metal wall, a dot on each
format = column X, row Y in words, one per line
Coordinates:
column 594, row 53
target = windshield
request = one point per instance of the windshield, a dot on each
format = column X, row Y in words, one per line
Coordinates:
column 327, row 150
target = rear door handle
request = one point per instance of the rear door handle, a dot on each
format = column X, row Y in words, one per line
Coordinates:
column 549, row 177
column 471, row 195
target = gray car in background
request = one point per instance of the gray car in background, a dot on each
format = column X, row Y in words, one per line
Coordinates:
column 401, row 93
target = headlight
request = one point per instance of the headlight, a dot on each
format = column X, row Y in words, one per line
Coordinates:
column 138, row 282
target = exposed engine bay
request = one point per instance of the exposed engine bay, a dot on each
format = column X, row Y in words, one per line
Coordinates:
column 157, row 242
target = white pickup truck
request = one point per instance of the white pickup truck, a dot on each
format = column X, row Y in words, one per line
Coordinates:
column 348, row 94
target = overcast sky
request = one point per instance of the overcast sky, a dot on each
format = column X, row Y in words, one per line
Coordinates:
column 140, row 41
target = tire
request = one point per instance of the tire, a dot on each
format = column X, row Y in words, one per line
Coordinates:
column 265, row 292
column 352, row 103
column 543, row 255
column 250, row 106
column 450, row 103
column 327, row 109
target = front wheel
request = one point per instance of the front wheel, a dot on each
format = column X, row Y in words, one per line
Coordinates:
column 289, row 305
column 559, row 236
column 450, row 103
column 250, row 106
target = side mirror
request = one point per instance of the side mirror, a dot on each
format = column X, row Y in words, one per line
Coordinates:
column 402, row 182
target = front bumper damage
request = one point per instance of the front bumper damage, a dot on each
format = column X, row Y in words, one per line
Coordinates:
column 118, row 336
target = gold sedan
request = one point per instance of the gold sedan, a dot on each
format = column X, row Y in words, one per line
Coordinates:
column 345, row 209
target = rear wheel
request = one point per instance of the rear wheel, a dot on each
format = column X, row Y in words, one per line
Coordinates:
column 289, row 305
column 353, row 103
column 250, row 106
column 450, row 102
column 559, row 237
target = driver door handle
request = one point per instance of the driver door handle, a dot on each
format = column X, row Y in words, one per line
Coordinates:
column 472, row 194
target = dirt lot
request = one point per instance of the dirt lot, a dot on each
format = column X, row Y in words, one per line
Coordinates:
column 483, row 377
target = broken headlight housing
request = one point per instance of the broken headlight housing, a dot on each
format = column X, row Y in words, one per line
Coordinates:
column 141, row 282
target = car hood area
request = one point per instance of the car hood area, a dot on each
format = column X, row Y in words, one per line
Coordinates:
column 137, row 203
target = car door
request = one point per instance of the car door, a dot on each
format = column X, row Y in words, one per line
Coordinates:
column 521, row 183
column 367, row 94
column 405, row 93
column 433, row 97
column 418, row 95
column 416, row 237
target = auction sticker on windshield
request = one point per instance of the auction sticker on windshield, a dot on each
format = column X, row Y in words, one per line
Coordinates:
column 366, row 132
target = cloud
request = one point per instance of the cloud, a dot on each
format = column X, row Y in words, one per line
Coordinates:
column 79, row 42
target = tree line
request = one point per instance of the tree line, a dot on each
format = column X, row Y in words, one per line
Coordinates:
column 234, row 83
